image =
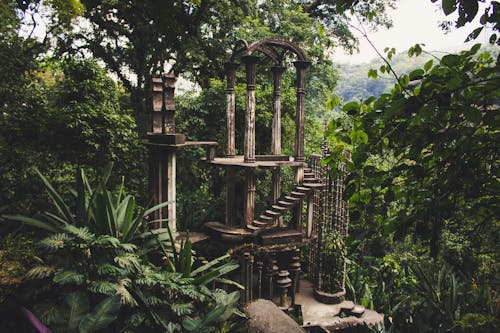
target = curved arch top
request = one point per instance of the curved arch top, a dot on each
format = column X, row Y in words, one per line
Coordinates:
column 280, row 42
column 268, row 47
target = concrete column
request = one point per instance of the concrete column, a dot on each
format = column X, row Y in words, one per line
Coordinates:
column 230, row 108
column 171, row 189
column 249, row 197
column 249, row 147
column 168, row 107
column 310, row 212
column 230, row 193
column 299, row 120
column 276, row 178
column 157, row 106
column 276, row 129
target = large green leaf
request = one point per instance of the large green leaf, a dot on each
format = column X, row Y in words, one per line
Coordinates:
column 32, row 222
column 75, row 306
column 101, row 316
column 56, row 199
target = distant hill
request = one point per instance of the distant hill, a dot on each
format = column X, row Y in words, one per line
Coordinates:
column 354, row 83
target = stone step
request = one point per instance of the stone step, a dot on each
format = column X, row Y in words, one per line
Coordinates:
column 291, row 198
column 302, row 189
column 279, row 208
column 261, row 224
column 297, row 194
column 254, row 227
column 286, row 203
column 272, row 213
column 313, row 185
column 266, row 219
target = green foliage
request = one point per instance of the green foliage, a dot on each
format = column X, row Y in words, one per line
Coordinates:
column 101, row 212
column 62, row 117
column 101, row 280
column 423, row 164
column 17, row 254
column 466, row 11
column 74, row 314
column 334, row 256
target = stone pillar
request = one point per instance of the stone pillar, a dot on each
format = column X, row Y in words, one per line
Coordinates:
column 299, row 120
column 271, row 271
column 249, row 196
column 276, row 190
column 260, row 266
column 168, row 107
column 249, row 147
column 244, row 274
column 284, row 282
column 157, row 121
column 310, row 216
column 295, row 268
column 230, row 193
column 171, row 189
column 230, row 108
column 276, row 129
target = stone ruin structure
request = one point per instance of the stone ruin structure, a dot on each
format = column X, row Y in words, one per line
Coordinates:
column 281, row 249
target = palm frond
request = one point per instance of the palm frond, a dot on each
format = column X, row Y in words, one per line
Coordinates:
column 182, row 309
column 83, row 233
column 68, row 277
column 109, row 270
column 103, row 287
column 56, row 241
column 129, row 261
column 40, row 272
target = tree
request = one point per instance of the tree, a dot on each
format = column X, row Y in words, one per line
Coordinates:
column 467, row 10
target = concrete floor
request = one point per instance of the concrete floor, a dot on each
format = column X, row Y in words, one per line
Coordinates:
column 315, row 313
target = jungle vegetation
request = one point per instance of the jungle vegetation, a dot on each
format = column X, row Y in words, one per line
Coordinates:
column 75, row 79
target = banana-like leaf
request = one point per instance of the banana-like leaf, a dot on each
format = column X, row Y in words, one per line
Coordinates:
column 78, row 306
column 101, row 316
column 32, row 222
column 56, row 199
column 155, row 208
column 209, row 265
column 74, row 308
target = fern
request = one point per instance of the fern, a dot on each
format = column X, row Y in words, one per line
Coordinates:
column 40, row 272
column 109, row 270
column 103, row 287
column 68, row 277
column 128, row 261
column 182, row 309
column 127, row 247
column 56, row 241
column 82, row 233
column 125, row 296
column 108, row 241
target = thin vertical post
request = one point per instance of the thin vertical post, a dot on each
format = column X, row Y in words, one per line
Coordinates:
column 249, row 147
column 249, row 197
column 230, row 193
column 276, row 128
column 301, row 67
column 230, row 109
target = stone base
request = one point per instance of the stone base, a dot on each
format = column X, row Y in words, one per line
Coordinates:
column 328, row 298
column 171, row 139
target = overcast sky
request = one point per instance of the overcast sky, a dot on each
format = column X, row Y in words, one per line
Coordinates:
column 415, row 21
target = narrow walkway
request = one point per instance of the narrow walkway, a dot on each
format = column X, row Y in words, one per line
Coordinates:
column 327, row 316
